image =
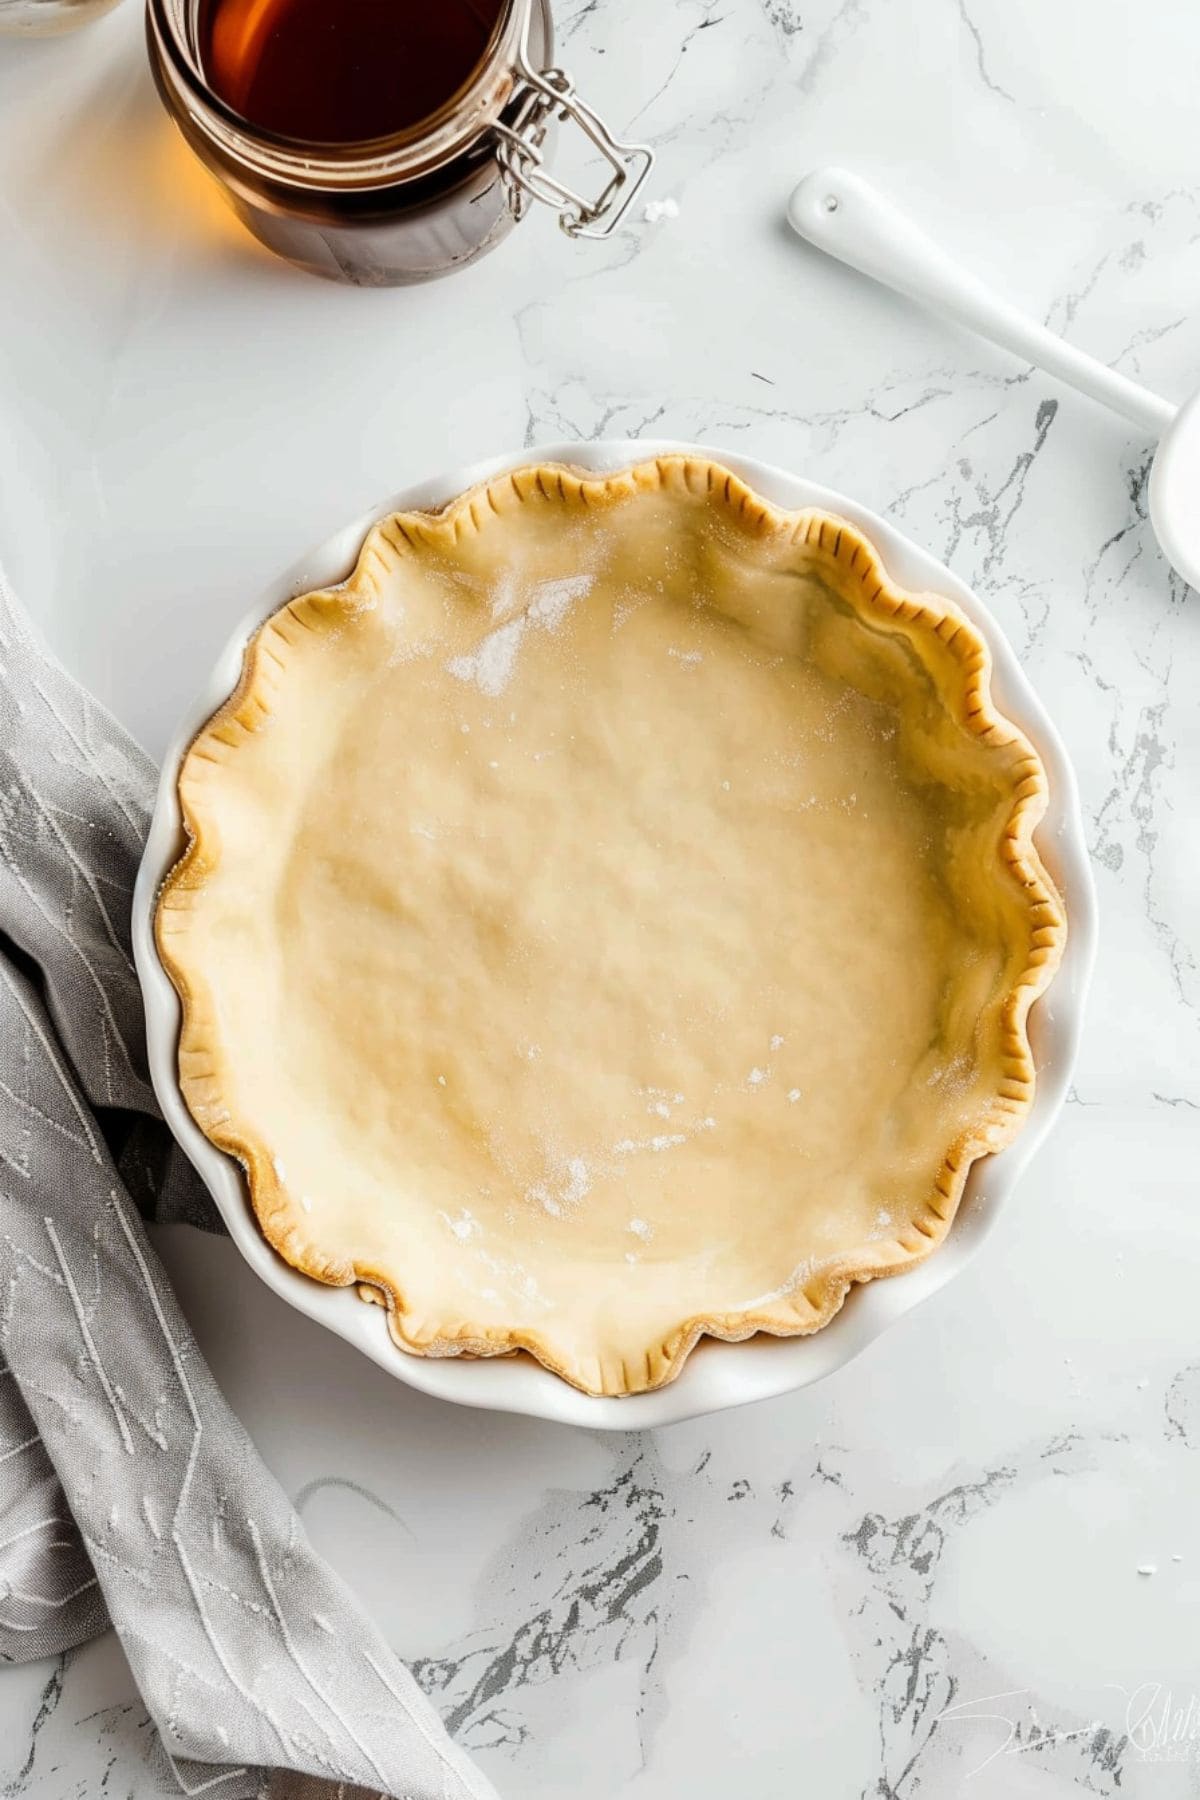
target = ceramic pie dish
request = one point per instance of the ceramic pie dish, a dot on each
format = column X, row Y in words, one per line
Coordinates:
column 609, row 920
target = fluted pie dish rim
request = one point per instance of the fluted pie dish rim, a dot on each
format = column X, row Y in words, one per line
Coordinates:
column 849, row 551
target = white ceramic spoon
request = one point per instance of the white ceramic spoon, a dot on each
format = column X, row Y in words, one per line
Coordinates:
column 847, row 218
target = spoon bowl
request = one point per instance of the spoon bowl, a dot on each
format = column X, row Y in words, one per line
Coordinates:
column 1174, row 490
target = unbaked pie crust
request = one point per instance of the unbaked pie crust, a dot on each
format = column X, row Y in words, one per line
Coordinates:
column 610, row 917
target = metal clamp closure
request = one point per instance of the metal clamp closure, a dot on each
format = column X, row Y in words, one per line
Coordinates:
column 541, row 97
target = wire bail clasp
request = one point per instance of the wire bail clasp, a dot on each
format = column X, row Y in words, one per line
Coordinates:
column 541, row 97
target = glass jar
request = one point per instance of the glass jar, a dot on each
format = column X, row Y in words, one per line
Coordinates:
column 423, row 202
column 47, row 18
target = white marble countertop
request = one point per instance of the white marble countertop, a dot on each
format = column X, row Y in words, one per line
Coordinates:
column 829, row 1591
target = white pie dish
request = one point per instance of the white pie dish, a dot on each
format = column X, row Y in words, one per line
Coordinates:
column 718, row 1374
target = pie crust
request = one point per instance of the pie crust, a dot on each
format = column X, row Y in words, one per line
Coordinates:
column 609, row 917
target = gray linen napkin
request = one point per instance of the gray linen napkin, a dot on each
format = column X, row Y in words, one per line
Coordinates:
column 128, row 1490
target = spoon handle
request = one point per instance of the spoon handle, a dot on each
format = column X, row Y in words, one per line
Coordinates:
column 847, row 218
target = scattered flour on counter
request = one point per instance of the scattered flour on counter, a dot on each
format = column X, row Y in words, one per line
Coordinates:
column 655, row 211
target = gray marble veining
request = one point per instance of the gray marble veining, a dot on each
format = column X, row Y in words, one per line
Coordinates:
column 921, row 1579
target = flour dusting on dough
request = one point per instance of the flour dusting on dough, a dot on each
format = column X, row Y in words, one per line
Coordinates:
column 664, row 1141
column 491, row 664
column 571, row 1182
column 659, row 1101
column 579, row 1182
column 465, row 1226
column 516, row 1279
column 554, row 599
column 954, row 1076
column 799, row 1274
column 504, row 593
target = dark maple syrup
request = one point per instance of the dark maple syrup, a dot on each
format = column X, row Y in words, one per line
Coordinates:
column 342, row 71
